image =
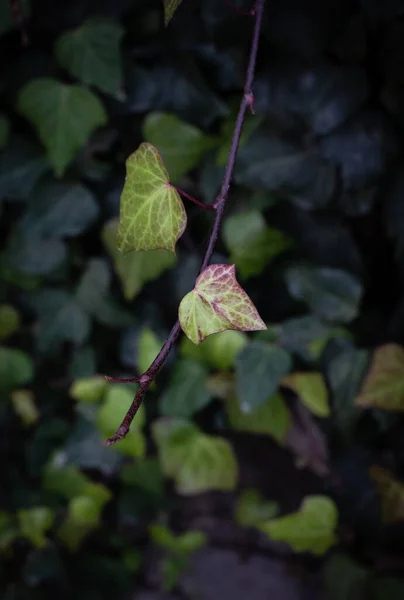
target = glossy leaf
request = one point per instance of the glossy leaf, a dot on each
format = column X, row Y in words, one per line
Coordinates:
column 10, row 321
column 311, row 529
column 218, row 351
column 170, row 6
column 252, row 509
column 252, row 245
column 217, row 303
column 34, row 523
column 391, row 494
column 270, row 418
column 61, row 319
column 137, row 268
column 311, row 390
column 182, row 145
column 117, row 400
column 331, row 293
column 64, row 115
column 16, row 368
column 185, row 394
column 197, row 462
column 259, row 370
column 91, row 53
column 383, row 386
column 89, row 389
column 23, row 402
column 152, row 215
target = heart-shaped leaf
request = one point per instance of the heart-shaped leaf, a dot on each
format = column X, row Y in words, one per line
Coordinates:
column 311, row 529
column 64, row 115
column 91, row 54
column 217, row 303
column 312, row 391
column 170, row 6
column 384, row 384
column 152, row 214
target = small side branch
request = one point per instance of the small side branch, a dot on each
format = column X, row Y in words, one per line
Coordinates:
column 194, row 200
column 247, row 102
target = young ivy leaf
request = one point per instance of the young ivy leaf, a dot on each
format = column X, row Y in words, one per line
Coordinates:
column 170, row 6
column 217, row 303
column 152, row 213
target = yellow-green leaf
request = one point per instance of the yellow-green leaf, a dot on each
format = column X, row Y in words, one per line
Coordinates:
column 64, row 115
column 170, row 6
column 34, row 523
column 312, row 391
column 137, row 268
column 218, row 351
column 311, row 529
column 148, row 347
column 252, row 508
column 383, row 386
column 391, row 494
column 181, row 144
column 217, row 303
column 23, row 402
column 152, row 215
column 88, row 389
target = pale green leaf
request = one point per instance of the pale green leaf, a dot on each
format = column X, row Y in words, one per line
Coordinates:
column 217, row 303
column 64, row 115
column 186, row 543
column 170, row 6
column 4, row 131
column 117, row 400
column 383, row 386
column 152, row 215
column 88, row 389
column 23, row 402
column 181, row 145
column 252, row 509
column 218, row 351
column 270, row 418
column 137, row 268
column 259, row 369
column 251, row 243
column 34, row 523
column 16, row 368
column 185, row 394
column 311, row 529
column 91, row 53
column 9, row 321
column 197, row 462
column 312, row 391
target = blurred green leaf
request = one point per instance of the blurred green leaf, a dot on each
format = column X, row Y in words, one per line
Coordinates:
column 311, row 390
column 16, row 368
column 197, row 462
column 10, row 321
column 23, row 402
column 66, row 481
column 61, row 319
column 311, row 529
column 34, row 523
column 383, row 386
column 270, row 418
column 251, row 243
column 64, row 115
column 8, row 530
column 145, row 474
column 185, row 543
column 218, row 351
column 58, row 209
column 33, row 256
column 185, row 394
column 91, row 53
column 148, row 347
column 306, row 336
column 170, row 6
column 391, row 495
column 332, row 294
column 88, row 389
column 21, row 165
column 113, row 408
column 93, row 285
column 137, row 268
column 4, row 131
column 82, row 518
column 181, row 145
column 344, row 579
column 252, row 508
column 259, row 370
column 251, row 124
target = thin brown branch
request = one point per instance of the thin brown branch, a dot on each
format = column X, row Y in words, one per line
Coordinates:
column 220, row 205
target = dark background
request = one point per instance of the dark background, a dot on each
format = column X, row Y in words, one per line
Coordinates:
column 324, row 166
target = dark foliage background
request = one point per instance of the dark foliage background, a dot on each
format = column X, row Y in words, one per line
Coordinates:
column 315, row 226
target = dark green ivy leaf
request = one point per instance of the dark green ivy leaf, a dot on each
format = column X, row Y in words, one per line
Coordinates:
column 186, row 393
